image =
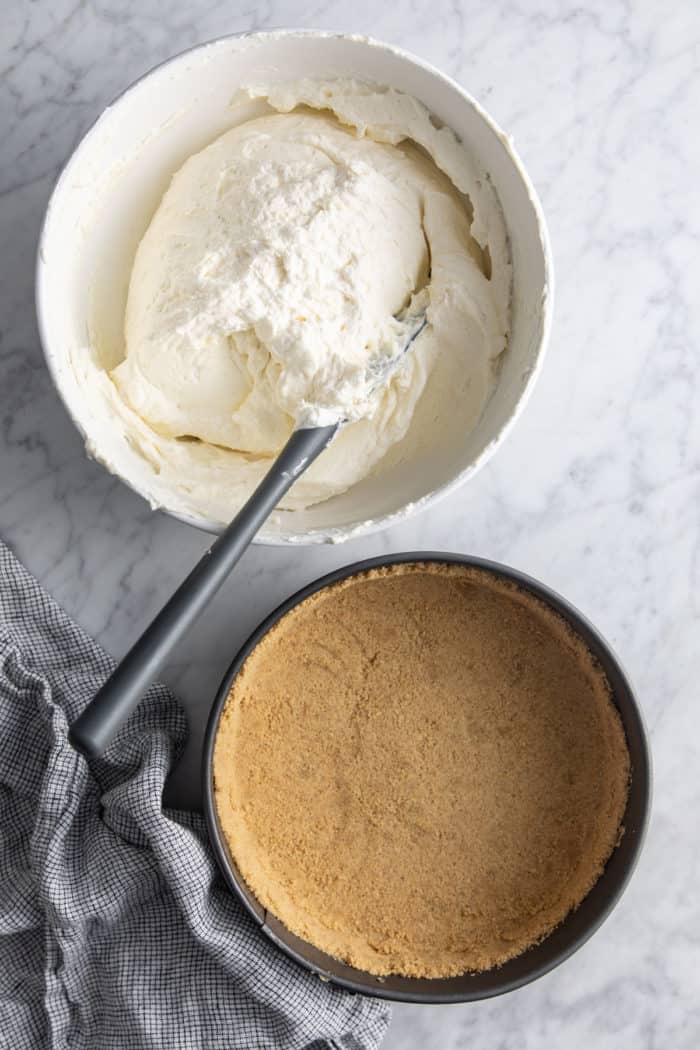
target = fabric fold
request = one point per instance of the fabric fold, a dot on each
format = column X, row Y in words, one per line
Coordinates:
column 116, row 930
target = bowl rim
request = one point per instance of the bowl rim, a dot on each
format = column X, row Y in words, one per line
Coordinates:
column 372, row 525
column 368, row 984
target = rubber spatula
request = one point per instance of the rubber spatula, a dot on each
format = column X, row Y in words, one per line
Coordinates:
column 95, row 728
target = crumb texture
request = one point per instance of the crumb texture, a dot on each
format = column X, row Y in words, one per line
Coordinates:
column 421, row 771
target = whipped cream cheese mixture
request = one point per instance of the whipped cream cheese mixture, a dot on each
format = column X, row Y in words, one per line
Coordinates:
column 271, row 275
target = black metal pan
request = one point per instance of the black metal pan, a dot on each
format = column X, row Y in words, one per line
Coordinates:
column 577, row 927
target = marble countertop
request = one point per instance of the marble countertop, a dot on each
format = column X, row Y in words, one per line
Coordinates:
column 597, row 491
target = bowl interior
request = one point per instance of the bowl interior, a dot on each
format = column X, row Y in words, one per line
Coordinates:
column 564, row 940
column 114, row 181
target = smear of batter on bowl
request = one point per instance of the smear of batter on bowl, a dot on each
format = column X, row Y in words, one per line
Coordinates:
column 271, row 273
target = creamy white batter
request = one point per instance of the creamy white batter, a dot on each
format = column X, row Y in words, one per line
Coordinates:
column 270, row 277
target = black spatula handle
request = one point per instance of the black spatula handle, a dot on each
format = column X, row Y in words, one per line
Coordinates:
column 95, row 728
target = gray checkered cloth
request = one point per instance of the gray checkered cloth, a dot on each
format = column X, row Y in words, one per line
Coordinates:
column 116, row 932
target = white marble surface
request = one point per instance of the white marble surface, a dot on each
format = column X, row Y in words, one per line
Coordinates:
column 597, row 491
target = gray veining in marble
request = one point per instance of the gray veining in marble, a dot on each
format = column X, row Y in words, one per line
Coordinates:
column 597, row 491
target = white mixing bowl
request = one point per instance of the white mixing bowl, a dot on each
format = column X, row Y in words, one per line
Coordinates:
column 108, row 191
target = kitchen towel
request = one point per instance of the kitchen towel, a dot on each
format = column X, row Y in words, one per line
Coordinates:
column 116, row 932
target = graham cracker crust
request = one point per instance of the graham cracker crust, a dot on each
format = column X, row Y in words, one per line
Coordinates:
column 420, row 770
